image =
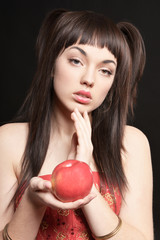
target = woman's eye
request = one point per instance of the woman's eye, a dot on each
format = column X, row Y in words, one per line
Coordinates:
column 75, row 61
column 106, row 72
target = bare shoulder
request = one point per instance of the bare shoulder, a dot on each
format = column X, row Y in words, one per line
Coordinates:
column 137, row 207
column 12, row 134
column 13, row 138
column 6, row 129
column 133, row 134
column 137, row 164
column 135, row 142
column 137, row 159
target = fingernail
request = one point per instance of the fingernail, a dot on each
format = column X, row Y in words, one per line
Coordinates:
column 73, row 114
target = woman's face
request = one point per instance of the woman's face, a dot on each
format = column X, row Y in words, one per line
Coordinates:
column 83, row 76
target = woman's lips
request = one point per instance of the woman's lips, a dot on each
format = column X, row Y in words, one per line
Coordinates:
column 82, row 97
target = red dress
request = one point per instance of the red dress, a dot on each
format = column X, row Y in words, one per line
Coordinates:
column 71, row 224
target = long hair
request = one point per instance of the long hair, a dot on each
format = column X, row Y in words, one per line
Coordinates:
column 60, row 30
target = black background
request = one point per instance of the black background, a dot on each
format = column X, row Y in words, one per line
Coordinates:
column 20, row 23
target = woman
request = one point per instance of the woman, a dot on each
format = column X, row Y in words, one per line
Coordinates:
column 77, row 108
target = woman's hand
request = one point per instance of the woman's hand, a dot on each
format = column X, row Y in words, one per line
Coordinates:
column 81, row 146
column 40, row 194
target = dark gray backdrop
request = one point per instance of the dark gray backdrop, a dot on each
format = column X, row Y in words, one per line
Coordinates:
column 20, row 22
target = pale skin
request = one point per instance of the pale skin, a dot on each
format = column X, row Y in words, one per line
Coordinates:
column 71, row 125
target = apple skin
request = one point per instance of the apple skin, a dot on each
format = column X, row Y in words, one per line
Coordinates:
column 71, row 180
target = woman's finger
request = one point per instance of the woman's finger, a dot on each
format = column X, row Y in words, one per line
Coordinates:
column 84, row 144
column 72, row 205
column 84, row 121
column 38, row 184
column 81, row 128
column 87, row 120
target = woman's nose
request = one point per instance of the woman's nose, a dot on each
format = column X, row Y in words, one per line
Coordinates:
column 88, row 78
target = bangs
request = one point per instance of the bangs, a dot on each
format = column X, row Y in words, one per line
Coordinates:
column 93, row 29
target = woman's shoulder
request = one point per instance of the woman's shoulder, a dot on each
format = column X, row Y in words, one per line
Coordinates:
column 136, row 145
column 13, row 137
column 13, row 131
column 133, row 135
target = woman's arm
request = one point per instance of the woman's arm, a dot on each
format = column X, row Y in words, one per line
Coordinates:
column 12, row 144
column 8, row 177
column 136, row 211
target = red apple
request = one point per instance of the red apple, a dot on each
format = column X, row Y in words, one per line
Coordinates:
column 71, row 180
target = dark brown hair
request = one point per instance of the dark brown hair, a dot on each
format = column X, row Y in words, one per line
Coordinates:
column 60, row 30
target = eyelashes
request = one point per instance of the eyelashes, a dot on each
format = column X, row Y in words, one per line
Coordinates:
column 103, row 71
column 75, row 61
column 106, row 72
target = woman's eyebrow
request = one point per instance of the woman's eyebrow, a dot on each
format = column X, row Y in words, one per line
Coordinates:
column 85, row 54
column 81, row 50
column 109, row 61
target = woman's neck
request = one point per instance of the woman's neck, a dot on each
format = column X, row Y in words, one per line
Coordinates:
column 62, row 125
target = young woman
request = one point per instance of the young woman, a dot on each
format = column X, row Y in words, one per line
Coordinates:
column 77, row 108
